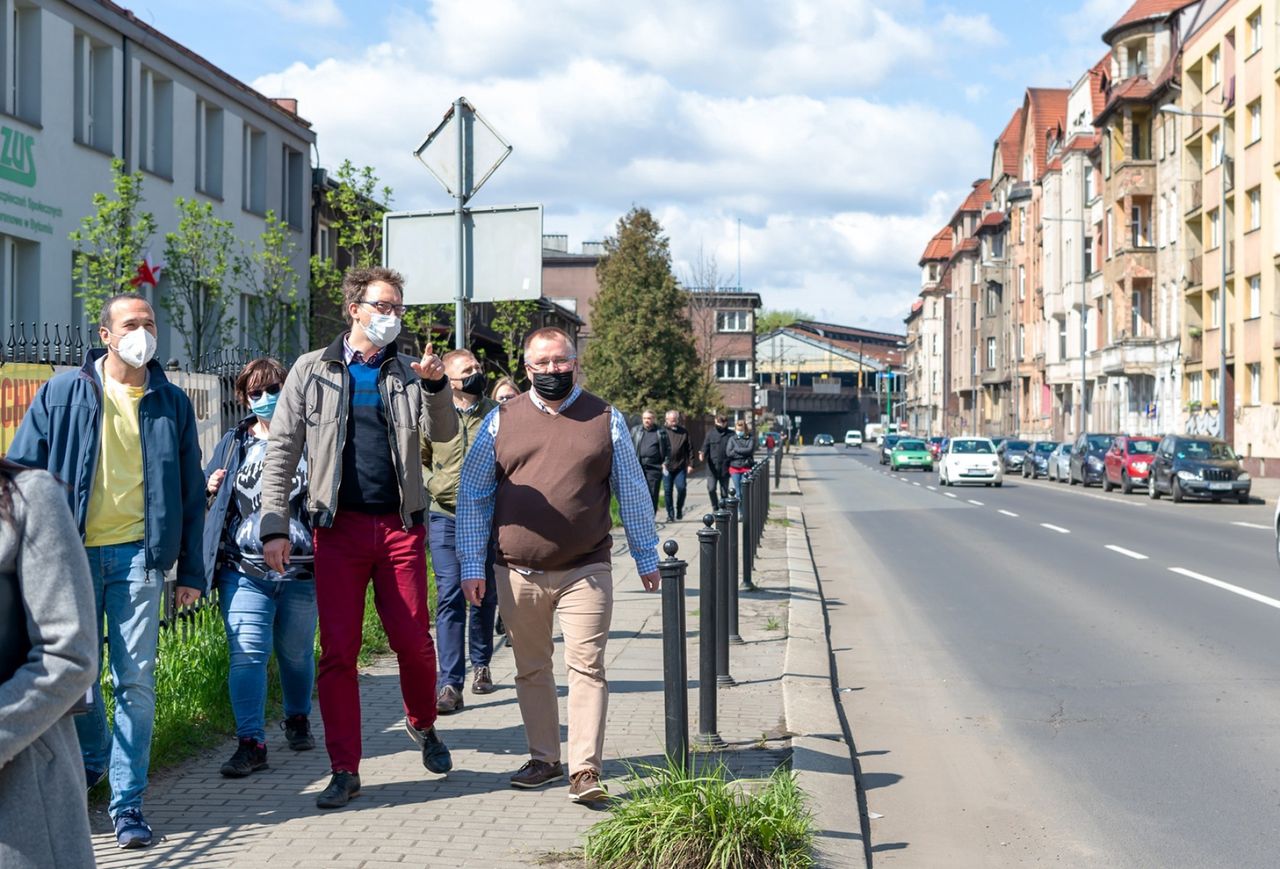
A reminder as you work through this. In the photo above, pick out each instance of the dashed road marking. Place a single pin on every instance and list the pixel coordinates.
(1129, 552)
(932, 488)
(1226, 586)
(1252, 525)
(976, 503)
(1057, 528)
(915, 484)
(1007, 513)
(951, 494)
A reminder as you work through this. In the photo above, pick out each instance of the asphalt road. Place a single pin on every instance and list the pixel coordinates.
(1039, 674)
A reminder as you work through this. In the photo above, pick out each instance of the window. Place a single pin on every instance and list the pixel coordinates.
(292, 193)
(1022, 225)
(1088, 184)
(1088, 255)
(1215, 229)
(1255, 208)
(1215, 147)
(208, 148)
(1213, 309)
(19, 272)
(1255, 120)
(733, 321)
(1195, 387)
(1255, 383)
(1110, 237)
(254, 168)
(991, 353)
(1022, 341)
(997, 246)
(1213, 384)
(1022, 282)
(93, 94)
(21, 69)
(324, 241)
(1255, 296)
(1255, 34)
(1107, 314)
(733, 369)
(1215, 67)
(155, 123)
(993, 301)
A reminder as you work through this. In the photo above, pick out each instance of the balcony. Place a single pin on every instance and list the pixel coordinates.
(1129, 356)
(1193, 349)
(1195, 197)
(1195, 270)
(1195, 123)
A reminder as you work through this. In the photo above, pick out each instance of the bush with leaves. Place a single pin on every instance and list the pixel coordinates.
(265, 271)
(197, 258)
(111, 242)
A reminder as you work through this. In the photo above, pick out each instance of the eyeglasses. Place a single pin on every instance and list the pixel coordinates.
(547, 366)
(386, 307)
(505, 398)
(273, 389)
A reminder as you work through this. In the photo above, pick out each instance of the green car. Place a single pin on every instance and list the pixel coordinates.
(911, 453)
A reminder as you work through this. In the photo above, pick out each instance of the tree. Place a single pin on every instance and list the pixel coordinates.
(703, 284)
(111, 242)
(768, 321)
(264, 270)
(641, 352)
(512, 320)
(197, 258)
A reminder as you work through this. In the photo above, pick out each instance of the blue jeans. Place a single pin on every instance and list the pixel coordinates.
(677, 480)
(451, 606)
(128, 595)
(261, 615)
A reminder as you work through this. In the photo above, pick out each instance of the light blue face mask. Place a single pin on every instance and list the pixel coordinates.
(265, 406)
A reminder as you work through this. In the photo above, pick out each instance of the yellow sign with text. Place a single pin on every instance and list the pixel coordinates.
(19, 383)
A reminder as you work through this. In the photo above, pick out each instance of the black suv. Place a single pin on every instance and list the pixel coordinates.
(1193, 465)
(1086, 458)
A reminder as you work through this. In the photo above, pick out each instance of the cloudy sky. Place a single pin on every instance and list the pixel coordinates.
(841, 133)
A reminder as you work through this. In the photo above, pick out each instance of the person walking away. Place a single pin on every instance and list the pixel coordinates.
(651, 448)
(677, 466)
(717, 461)
(362, 414)
(442, 460)
(48, 661)
(261, 609)
(741, 454)
(538, 481)
(94, 429)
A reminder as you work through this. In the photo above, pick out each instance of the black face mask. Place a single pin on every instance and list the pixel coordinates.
(553, 386)
(473, 384)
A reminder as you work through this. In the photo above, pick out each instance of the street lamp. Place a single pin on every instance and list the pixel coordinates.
(1222, 256)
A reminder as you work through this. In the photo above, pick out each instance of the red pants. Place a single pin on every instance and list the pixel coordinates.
(356, 549)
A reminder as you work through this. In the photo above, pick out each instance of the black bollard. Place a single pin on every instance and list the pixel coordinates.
(777, 468)
(708, 736)
(744, 491)
(722, 599)
(675, 666)
(731, 504)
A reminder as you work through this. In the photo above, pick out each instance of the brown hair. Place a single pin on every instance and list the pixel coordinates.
(258, 374)
(455, 353)
(104, 316)
(504, 381)
(549, 332)
(355, 283)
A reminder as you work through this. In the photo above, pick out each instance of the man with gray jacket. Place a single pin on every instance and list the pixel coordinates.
(363, 412)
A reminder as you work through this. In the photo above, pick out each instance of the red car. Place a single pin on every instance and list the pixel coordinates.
(1128, 463)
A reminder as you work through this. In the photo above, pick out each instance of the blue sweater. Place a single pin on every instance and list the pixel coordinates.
(62, 433)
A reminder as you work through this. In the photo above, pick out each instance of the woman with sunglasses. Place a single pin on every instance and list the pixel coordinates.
(262, 609)
(504, 390)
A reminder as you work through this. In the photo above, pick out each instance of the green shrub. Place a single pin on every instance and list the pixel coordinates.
(675, 819)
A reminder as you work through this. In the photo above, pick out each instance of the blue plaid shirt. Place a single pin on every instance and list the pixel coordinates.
(479, 486)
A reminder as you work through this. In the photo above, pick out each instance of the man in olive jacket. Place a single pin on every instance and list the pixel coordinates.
(442, 460)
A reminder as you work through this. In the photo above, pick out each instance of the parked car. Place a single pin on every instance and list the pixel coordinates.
(1128, 462)
(824, 440)
(1060, 462)
(911, 453)
(1037, 461)
(1013, 453)
(970, 460)
(1202, 466)
(935, 446)
(1086, 458)
(853, 438)
(886, 447)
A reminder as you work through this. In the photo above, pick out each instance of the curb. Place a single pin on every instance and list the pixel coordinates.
(822, 757)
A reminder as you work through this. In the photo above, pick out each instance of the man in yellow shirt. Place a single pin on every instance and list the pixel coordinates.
(123, 439)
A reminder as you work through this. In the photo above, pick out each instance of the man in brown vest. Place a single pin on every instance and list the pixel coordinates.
(538, 478)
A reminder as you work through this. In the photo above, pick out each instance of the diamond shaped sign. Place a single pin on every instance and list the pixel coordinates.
(463, 167)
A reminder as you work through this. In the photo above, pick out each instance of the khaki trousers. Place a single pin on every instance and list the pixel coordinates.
(583, 598)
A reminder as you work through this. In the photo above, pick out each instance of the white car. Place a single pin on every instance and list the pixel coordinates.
(970, 460)
(853, 438)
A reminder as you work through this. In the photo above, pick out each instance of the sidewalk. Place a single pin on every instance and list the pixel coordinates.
(474, 818)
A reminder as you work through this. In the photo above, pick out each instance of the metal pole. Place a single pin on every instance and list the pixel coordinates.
(731, 506)
(744, 493)
(1222, 287)
(675, 666)
(777, 468)
(460, 297)
(708, 737)
(722, 598)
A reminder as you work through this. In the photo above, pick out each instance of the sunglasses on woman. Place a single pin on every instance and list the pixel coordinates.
(273, 389)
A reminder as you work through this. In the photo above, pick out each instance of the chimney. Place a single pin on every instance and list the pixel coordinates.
(593, 248)
(557, 243)
(289, 104)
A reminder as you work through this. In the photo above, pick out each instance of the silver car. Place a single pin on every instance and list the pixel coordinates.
(1060, 463)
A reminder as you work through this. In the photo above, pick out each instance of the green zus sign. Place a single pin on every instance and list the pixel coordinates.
(17, 157)
(18, 166)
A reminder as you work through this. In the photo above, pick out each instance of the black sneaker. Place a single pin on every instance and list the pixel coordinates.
(343, 787)
(435, 756)
(132, 830)
(297, 732)
(250, 757)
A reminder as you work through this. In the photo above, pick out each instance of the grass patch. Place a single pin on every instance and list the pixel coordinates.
(773, 624)
(784, 522)
(676, 819)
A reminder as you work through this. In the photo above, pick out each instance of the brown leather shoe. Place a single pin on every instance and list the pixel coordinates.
(585, 787)
(449, 701)
(483, 683)
(537, 773)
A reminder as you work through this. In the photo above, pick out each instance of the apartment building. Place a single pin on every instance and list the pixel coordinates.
(928, 340)
(964, 299)
(85, 81)
(723, 323)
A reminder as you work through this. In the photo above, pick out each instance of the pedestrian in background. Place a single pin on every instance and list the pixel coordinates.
(741, 454)
(362, 413)
(263, 610)
(442, 461)
(504, 390)
(92, 429)
(48, 661)
(677, 466)
(538, 482)
(650, 444)
(717, 460)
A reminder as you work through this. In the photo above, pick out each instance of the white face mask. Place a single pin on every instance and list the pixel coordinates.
(136, 348)
(382, 329)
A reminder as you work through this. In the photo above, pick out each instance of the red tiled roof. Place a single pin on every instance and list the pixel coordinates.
(917, 305)
(1010, 143)
(1144, 10)
(939, 247)
(1042, 110)
(978, 196)
(992, 219)
(1097, 90)
(967, 246)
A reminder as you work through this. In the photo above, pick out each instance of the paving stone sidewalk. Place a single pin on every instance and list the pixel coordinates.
(474, 818)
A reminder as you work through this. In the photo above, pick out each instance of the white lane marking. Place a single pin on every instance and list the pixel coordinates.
(1129, 552)
(1252, 525)
(950, 494)
(1007, 513)
(976, 503)
(1226, 586)
(1057, 528)
(931, 488)
(915, 484)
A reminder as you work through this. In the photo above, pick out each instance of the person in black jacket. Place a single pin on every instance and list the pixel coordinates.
(717, 460)
(741, 450)
(652, 449)
(677, 466)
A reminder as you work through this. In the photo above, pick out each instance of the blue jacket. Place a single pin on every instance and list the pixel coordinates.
(62, 432)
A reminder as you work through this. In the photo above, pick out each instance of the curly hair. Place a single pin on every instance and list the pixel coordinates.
(355, 283)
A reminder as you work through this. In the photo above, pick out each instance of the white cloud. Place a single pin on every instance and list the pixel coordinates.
(318, 13)
(975, 92)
